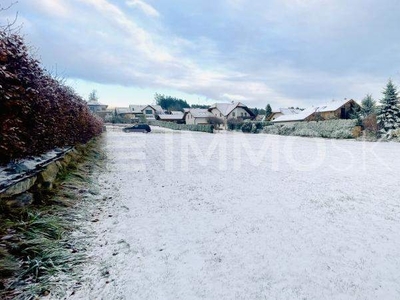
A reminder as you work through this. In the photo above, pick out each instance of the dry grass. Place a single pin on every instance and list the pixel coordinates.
(35, 242)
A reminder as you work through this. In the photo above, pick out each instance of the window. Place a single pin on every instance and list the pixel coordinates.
(148, 112)
(233, 114)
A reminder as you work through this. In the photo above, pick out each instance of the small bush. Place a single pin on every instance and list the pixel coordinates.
(234, 124)
(370, 124)
(247, 127)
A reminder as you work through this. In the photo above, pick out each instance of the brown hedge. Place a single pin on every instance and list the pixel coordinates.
(37, 112)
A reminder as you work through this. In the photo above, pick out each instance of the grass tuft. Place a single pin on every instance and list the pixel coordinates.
(36, 246)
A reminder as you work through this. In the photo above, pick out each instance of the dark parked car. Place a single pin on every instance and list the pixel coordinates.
(138, 128)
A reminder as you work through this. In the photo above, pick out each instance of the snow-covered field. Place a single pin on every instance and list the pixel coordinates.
(233, 216)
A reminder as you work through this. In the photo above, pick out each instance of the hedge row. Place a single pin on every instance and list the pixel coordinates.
(37, 112)
(174, 126)
(248, 126)
(337, 129)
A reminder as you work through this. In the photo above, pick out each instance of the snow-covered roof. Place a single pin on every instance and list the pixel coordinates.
(123, 110)
(289, 111)
(295, 117)
(227, 108)
(302, 115)
(200, 113)
(224, 108)
(158, 108)
(171, 117)
(95, 103)
(176, 112)
(139, 108)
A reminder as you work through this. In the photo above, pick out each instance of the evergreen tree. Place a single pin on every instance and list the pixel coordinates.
(268, 111)
(255, 111)
(355, 113)
(368, 106)
(389, 112)
(202, 106)
(170, 103)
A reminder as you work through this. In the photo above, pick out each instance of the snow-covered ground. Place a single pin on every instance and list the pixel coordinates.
(233, 216)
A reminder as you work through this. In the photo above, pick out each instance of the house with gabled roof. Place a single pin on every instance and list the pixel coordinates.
(149, 111)
(95, 106)
(335, 109)
(99, 109)
(234, 110)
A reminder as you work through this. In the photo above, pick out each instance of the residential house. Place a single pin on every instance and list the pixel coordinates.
(335, 109)
(96, 106)
(197, 116)
(148, 111)
(226, 111)
(174, 116)
(124, 112)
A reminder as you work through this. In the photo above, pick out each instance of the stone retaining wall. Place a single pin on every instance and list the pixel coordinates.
(22, 192)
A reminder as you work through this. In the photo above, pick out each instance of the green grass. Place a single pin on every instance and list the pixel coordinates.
(37, 247)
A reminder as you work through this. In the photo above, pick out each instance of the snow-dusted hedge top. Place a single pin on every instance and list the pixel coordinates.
(190, 127)
(37, 112)
(337, 129)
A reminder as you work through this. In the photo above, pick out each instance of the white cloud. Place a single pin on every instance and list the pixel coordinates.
(288, 55)
(234, 97)
(145, 7)
(54, 7)
(140, 38)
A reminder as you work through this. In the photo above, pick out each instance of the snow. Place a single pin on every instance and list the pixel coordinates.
(235, 216)
(25, 168)
(332, 105)
(226, 108)
(200, 113)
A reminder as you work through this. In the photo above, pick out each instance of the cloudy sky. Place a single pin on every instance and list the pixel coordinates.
(282, 52)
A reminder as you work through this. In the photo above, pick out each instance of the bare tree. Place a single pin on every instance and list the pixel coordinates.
(93, 97)
(9, 26)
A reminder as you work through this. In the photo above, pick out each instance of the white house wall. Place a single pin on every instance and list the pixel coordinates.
(217, 113)
(201, 121)
(237, 113)
(189, 119)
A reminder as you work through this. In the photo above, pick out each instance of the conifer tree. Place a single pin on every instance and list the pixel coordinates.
(268, 111)
(389, 112)
(368, 106)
